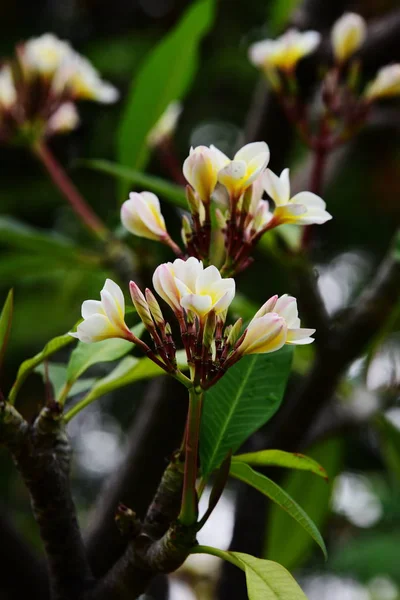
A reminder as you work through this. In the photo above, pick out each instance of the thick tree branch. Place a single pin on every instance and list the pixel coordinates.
(154, 436)
(42, 454)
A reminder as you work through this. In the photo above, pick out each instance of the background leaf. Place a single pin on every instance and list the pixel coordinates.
(28, 365)
(389, 437)
(128, 371)
(266, 580)
(87, 355)
(5, 323)
(314, 496)
(246, 397)
(165, 189)
(279, 458)
(164, 77)
(57, 374)
(273, 491)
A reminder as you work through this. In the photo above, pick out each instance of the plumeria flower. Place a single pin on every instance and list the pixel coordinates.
(84, 81)
(285, 52)
(200, 169)
(104, 318)
(262, 217)
(386, 83)
(305, 208)
(65, 119)
(275, 324)
(187, 285)
(45, 54)
(248, 163)
(348, 35)
(141, 215)
(166, 124)
(286, 308)
(8, 94)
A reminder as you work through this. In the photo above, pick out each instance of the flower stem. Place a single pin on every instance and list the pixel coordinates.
(69, 191)
(189, 509)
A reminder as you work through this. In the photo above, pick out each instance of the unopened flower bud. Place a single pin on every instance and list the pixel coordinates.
(168, 329)
(186, 230)
(209, 329)
(201, 171)
(65, 119)
(192, 200)
(348, 34)
(8, 93)
(154, 308)
(221, 219)
(234, 332)
(142, 308)
(247, 197)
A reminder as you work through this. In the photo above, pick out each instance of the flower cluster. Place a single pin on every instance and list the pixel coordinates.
(345, 102)
(39, 88)
(233, 191)
(199, 298)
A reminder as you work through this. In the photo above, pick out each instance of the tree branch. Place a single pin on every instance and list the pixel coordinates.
(42, 455)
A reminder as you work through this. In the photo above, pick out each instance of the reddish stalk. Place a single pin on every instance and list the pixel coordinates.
(69, 191)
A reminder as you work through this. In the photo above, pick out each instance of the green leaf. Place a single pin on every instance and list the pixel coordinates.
(273, 491)
(18, 235)
(389, 436)
(280, 12)
(167, 191)
(128, 371)
(29, 365)
(87, 355)
(5, 323)
(245, 398)
(165, 76)
(57, 374)
(314, 495)
(279, 458)
(266, 580)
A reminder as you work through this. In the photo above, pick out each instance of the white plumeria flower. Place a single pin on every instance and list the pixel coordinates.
(284, 52)
(45, 54)
(256, 194)
(385, 84)
(248, 163)
(263, 335)
(286, 308)
(165, 125)
(8, 93)
(187, 285)
(84, 81)
(65, 119)
(141, 215)
(304, 208)
(200, 169)
(104, 318)
(262, 217)
(348, 34)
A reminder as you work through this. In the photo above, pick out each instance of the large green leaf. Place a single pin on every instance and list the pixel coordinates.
(266, 580)
(165, 76)
(18, 235)
(5, 323)
(29, 365)
(273, 491)
(279, 458)
(165, 189)
(314, 495)
(245, 398)
(129, 370)
(87, 355)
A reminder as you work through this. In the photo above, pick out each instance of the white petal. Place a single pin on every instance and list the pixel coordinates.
(91, 307)
(296, 335)
(221, 159)
(164, 284)
(278, 188)
(151, 199)
(188, 271)
(94, 329)
(310, 40)
(251, 151)
(267, 307)
(112, 309)
(201, 305)
(182, 288)
(314, 217)
(112, 288)
(206, 279)
(225, 301)
(308, 199)
(286, 307)
(235, 170)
